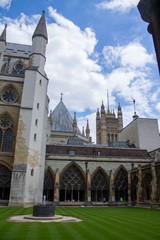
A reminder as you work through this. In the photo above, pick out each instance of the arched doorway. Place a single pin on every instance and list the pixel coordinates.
(49, 186)
(121, 185)
(5, 182)
(147, 186)
(72, 185)
(134, 187)
(99, 187)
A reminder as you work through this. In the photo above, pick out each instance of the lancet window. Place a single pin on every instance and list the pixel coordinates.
(6, 134)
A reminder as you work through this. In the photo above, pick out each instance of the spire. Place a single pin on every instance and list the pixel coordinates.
(3, 35)
(102, 109)
(83, 131)
(87, 130)
(75, 124)
(107, 101)
(41, 29)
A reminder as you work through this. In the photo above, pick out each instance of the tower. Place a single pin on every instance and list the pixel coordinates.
(29, 155)
(107, 125)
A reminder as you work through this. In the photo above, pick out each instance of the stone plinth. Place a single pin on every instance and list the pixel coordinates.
(43, 210)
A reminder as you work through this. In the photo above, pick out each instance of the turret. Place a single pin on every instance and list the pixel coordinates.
(87, 130)
(75, 124)
(102, 109)
(120, 118)
(39, 42)
(2, 45)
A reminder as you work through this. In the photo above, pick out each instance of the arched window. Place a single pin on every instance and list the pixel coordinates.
(7, 141)
(35, 137)
(99, 187)
(48, 189)
(5, 182)
(72, 185)
(134, 188)
(18, 70)
(6, 134)
(121, 185)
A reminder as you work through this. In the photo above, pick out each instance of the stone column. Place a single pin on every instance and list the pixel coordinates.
(139, 190)
(154, 193)
(89, 187)
(129, 188)
(112, 190)
(150, 12)
(56, 187)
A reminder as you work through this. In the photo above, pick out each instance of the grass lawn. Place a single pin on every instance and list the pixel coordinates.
(109, 223)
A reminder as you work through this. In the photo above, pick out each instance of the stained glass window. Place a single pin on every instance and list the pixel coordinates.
(9, 95)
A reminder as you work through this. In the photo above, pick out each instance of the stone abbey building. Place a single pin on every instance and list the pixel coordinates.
(41, 155)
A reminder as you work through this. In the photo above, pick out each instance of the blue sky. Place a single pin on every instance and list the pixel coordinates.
(94, 45)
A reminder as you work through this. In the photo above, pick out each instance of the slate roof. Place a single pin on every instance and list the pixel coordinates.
(62, 120)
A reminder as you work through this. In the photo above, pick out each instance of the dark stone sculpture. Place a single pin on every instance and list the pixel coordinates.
(150, 12)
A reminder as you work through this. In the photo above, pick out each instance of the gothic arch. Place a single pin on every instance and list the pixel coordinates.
(134, 187)
(147, 186)
(121, 184)
(72, 183)
(4, 68)
(99, 185)
(48, 188)
(5, 181)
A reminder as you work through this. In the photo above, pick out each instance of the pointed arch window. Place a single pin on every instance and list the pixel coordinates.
(121, 185)
(72, 185)
(6, 134)
(99, 187)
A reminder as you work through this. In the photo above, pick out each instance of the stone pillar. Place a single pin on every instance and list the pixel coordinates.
(154, 193)
(139, 190)
(89, 186)
(149, 10)
(56, 187)
(129, 188)
(112, 190)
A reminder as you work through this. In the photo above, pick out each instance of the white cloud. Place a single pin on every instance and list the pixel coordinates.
(158, 107)
(118, 5)
(73, 69)
(5, 4)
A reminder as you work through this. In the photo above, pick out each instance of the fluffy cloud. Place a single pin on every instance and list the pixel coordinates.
(5, 4)
(118, 5)
(73, 68)
(129, 75)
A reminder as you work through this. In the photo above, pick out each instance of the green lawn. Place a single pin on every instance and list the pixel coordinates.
(109, 223)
